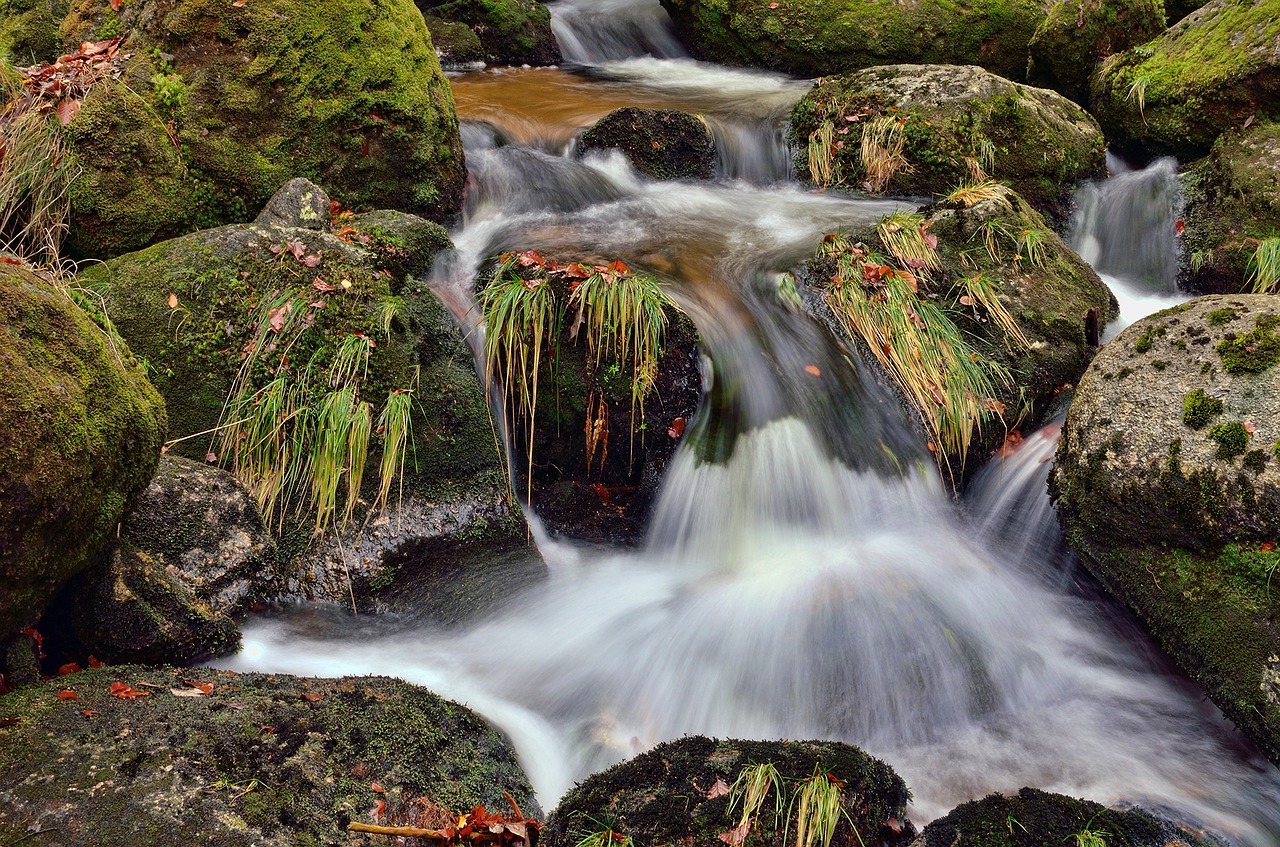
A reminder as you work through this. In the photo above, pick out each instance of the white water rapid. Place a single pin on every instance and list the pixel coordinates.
(816, 580)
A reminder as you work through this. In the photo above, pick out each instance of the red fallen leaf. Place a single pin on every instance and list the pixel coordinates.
(206, 687)
(932, 447)
(376, 787)
(813, 370)
(930, 239)
(275, 249)
(173, 300)
(9, 260)
(68, 694)
(297, 248)
(268, 728)
(346, 232)
(1011, 443)
(719, 789)
(35, 636)
(602, 492)
(321, 285)
(531, 284)
(966, 300)
(67, 111)
(211, 457)
(916, 263)
(335, 208)
(380, 809)
(69, 667)
(619, 267)
(311, 260)
(1250, 427)
(1267, 546)
(8, 721)
(311, 698)
(239, 3)
(94, 663)
(677, 428)
(88, 713)
(938, 396)
(736, 835)
(125, 692)
(529, 258)
(277, 316)
(115, 5)
(1178, 227)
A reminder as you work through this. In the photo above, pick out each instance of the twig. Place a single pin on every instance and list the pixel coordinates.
(514, 807)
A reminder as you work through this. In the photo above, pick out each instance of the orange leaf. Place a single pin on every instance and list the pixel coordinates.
(1178, 227)
(94, 663)
(380, 809)
(9, 260)
(376, 787)
(239, 3)
(115, 5)
(813, 370)
(677, 428)
(173, 300)
(206, 687)
(125, 692)
(1267, 546)
(719, 789)
(88, 713)
(277, 316)
(529, 258)
(736, 835)
(69, 667)
(67, 111)
(620, 267)
(577, 271)
(68, 694)
(311, 261)
(311, 698)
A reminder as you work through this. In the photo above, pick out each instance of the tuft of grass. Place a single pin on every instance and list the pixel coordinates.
(750, 792)
(1264, 267)
(34, 177)
(881, 151)
(395, 425)
(1138, 93)
(822, 154)
(982, 292)
(1030, 244)
(389, 308)
(906, 237)
(972, 193)
(818, 810)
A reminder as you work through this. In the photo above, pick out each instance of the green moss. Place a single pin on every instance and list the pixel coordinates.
(660, 143)
(1076, 35)
(1144, 342)
(29, 30)
(514, 32)
(1256, 461)
(1219, 317)
(1199, 408)
(1255, 351)
(1231, 438)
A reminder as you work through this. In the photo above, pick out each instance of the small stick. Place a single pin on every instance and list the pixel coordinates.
(514, 807)
(409, 831)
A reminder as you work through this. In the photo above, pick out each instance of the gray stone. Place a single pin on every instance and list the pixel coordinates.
(299, 203)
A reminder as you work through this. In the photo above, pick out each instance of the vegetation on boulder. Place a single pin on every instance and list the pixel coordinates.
(29, 30)
(659, 143)
(509, 32)
(1078, 34)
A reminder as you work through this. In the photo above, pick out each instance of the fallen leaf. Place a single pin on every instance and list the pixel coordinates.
(938, 396)
(966, 300)
(88, 713)
(69, 667)
(529, 258)
(677, 428)
(736, 835)
(8, 721)
(125, 692)
(1267, 546)
(186, 692)
(619, 267)
(9, 260)
(346, 284)
(321, 285)
(376, 787)
(68, 694)
(239, 3)
(277, 316)
(719, 789)
(173, 300)
(1250, 427)
(297, 248)
(380, 809)
(311, 260)
(67, 111)
(1178, 227)
(211, 457)
(94, 663)
(115, 5)
(204, 687)
(311, 698)
(813, 370)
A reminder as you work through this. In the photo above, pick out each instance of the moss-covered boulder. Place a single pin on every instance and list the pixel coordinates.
(1034, 818)
(1232, 205)
(1078, 34)
(1168, 482)
(677, 793)
(660, 143)
(510, 32)
(30, 31)
(820, 37)
(80, 434)
(258, 760)
(1213, 70)
(948, 124)
(221, 104)
(456, 44)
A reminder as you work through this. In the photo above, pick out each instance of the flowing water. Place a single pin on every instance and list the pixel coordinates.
(813, 580)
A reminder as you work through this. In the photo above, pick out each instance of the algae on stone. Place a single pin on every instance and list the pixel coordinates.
(1077, 34)
(509, 32)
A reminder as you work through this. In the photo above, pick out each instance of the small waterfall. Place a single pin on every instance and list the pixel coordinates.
(591, 32)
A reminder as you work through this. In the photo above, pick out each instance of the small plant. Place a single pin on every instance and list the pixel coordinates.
(819, 807)
(389, 308)
(907, 237)
(1090, 837)
(970, 194)
(1030, 244)
(981, 291)
(1264, 267)
(36, 173)
(170, 93)
(1138, 93)
(881, 151)
(822, 154)
(1232, 440)
(751, 791)
(604, 833)
(1198, 408)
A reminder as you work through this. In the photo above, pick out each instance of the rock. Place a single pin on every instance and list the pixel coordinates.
(456, 44)
(348, 94)
(1176, 10)
(1232, 204)
(260, 760)
(510, 32)
(1078, 34)
(959, 120)
(29, 31)
(80, 433)
(820, 37)
(1034, 818)
(1213, 70)
(299, 203)
(660, 143)
(1168, 483)
(664, 796)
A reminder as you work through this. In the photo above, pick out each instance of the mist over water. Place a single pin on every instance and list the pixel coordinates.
(815, 579)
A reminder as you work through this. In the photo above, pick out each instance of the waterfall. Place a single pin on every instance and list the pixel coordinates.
(591, 32)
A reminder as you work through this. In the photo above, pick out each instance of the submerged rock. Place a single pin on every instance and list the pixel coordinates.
(1213, 70)
(1078, 34)
(258, 760)
(508, 32)
(1168, 482)
(660, 143)
(677, 793)
(949, 125)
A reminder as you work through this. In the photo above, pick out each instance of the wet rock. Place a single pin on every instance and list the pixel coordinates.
(299, 203)
(660, 143)
(1167, 480)
(955, 124)
(1213, 70)
(259, 760)
(1078, 34)
(456, 44)
(676, 793)
(509, 32)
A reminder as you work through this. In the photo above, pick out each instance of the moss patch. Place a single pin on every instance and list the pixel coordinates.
(1199, 408)
(1077, 34)
(1231, 438)
(1253, 352)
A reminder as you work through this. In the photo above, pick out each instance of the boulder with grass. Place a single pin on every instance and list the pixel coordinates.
(309, 357)
(509, 32)
(1078, 34)
(695, 791)
(165, 756)
(80, 434)
(659, 143)
(820, 37)
(1215, 69)
(219, 104)
(1168, 483)
(978, 312)
(924, 130)
(1232, 214)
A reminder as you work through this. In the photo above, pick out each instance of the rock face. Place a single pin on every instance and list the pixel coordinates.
(660, 143)
(509, 32)
(665, 796)
(349, 94)
(958, 119)
(1211, 71)
(820, 37)
(1168, 482)
(1078, 34)
(80, 433)
(1232, 205)
(258, 761)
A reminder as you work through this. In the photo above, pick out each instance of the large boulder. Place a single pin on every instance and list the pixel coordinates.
(953, 123)
(1213, 70)
(509, 32)
(660, 143)
(1078, 34)
(221, 103)
(677, 793)
(258, 760)
(1232, 204)
(80, 434)
(819, 37)
(1168, 482)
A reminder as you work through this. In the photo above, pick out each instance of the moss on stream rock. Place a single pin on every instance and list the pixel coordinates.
(508, 32)
(820, 37)
(659, 143)
(1078, 34)
(261, 760)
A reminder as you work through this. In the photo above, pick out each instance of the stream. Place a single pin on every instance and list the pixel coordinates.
(820, 582)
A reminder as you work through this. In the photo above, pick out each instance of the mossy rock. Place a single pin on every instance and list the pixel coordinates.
(510, 32)
(254, 762)
(1036, 818)
(29, 31)
(1213, 70)
(1037, 141)
(456, 44)
(348, 94)
(1078, 34)
(1168, 487)
(821, 37)
(80, 434)
(666, 796)
(1176, 10)
(1232, 203)
(659, 143)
